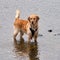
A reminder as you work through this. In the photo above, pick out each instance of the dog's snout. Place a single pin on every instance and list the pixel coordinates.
(32, 22)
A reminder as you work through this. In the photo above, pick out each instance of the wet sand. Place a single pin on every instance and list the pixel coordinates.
(47, 46)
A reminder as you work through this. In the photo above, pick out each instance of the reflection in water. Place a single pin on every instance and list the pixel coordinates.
(20, 47)
(24, 49)
(33, 51)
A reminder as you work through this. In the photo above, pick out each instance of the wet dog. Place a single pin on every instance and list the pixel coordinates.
(29, 26)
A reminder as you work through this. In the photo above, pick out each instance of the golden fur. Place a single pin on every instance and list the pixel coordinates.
(29, 26)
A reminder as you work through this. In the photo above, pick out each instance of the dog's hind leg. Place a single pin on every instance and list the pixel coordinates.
(21, 34)
(16, 31)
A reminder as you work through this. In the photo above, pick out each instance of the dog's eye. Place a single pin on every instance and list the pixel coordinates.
(34, 18)
(31, 18)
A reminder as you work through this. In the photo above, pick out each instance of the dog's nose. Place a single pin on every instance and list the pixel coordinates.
(32, 22)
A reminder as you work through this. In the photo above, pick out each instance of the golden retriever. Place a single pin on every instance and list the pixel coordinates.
(29, 26)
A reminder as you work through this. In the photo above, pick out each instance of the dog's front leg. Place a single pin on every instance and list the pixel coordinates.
(35, 36)
(29, 37)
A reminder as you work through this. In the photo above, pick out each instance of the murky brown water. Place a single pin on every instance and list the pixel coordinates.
(47, 46)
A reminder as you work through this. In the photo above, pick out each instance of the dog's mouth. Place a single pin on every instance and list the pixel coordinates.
(34, 23)
(33, 26)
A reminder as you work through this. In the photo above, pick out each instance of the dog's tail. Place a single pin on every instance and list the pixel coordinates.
(17, 14)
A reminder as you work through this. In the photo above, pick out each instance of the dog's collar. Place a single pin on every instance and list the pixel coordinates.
(33, 31)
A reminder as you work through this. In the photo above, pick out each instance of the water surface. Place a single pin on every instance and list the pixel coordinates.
(47, 46)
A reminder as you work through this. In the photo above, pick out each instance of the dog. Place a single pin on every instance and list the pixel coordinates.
(29, 26)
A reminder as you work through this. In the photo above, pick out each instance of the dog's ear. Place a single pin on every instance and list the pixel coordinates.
(29, 18)
(37, 17)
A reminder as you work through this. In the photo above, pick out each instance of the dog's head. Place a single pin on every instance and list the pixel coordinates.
(33, 19)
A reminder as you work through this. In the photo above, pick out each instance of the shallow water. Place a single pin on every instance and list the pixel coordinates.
(47, 46)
